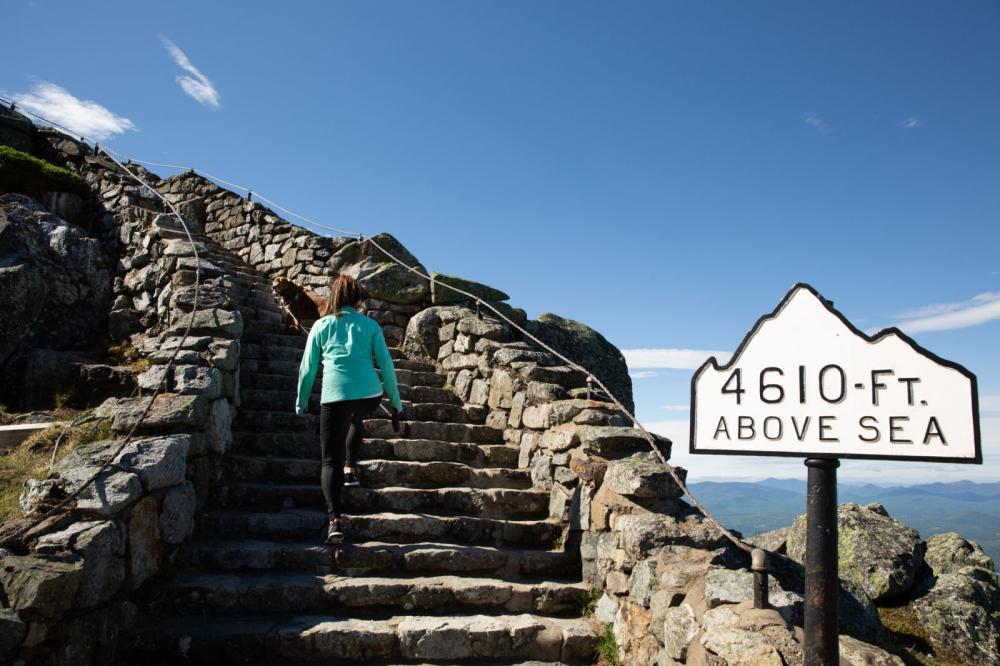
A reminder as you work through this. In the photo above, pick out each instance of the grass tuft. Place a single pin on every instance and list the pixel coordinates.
(590, 601)
(31, 458)
(607, 647)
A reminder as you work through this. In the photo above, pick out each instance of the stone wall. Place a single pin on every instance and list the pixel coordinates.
(667, 582)
(277, 248)
(69, 591)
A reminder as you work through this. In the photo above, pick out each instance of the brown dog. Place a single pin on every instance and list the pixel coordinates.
(302, 307)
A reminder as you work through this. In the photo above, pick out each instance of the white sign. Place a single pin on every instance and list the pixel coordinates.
(805, 382)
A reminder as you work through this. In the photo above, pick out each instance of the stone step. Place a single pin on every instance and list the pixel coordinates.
(306, 445)
(448, 432)
(376, 473)
(266, 326)
(253, 350)
(319, 639)
(289, 382)
(284, 399)
(295, 340)
(480, 502)
(280, 415)
(258, 421)
(295, 592)
(372, 557)
(418, 366)
(298, 524)
(253, 315)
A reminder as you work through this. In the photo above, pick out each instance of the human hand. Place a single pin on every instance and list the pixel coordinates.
(394, 415)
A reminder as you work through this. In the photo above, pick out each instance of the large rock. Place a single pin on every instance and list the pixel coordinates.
(950, 553)
(36, 375)
(381, 277)
(55, 284)
(679, 627)
(742, 634)
(856, 653)
(614, 442)
(422, 339)
(41, 586)
(160, 462)
(733, 586)
(169, 410)
(143, 542)
(177, 513)
(588, 348)
(112, 491)
(643, 475)
(959, 618)
(16, 130)
(12, 631)
(212, 321)
(876, 551)
(101, 546)
(646, 534)
(440, 292)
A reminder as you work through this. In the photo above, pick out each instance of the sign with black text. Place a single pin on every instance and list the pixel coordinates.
(805, 382)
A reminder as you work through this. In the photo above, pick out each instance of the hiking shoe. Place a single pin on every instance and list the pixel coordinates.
(335, 531)
(350, 480)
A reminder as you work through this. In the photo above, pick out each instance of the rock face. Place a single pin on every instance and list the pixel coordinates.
(879, 553)
(588, 348)
(949, 553)
(959, 617)
(16, 130)
(55, 286)
(441, 294)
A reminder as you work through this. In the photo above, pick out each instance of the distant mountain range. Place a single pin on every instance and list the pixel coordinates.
(971, 509)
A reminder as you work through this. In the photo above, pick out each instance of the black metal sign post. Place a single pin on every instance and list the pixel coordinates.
(806, 383)
(822, 645)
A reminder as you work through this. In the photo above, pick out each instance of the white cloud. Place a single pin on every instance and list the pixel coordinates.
(946, 316)
(676, 408)
(682, 359)
(813, 120)
(643, 374)
(911, 123)
(83, 117)
(197, 85)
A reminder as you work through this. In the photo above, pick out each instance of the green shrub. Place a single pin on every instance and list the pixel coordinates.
(21, 172)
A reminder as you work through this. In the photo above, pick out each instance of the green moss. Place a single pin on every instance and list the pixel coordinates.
(607, 647)
(21, 172)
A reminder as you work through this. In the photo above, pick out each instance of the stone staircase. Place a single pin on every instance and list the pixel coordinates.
(450, 557)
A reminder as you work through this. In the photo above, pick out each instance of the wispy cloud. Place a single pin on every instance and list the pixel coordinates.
(911, 123)
(81, 116)
(194, 83)
(977, 310)
(675, 408)
(643, 374)
(813, 120)
(682, 359)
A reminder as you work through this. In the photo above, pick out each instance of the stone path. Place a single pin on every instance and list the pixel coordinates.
(450, 558)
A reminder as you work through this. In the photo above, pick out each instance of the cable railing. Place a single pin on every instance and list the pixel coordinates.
(672, 470)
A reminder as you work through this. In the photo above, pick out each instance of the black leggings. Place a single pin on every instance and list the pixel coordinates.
(341, 430)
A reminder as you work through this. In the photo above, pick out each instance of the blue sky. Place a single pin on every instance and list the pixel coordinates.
(662, 171)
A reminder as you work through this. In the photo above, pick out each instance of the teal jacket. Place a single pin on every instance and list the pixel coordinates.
(347, 344)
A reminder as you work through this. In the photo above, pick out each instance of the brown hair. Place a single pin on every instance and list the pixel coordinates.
(344, 291)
